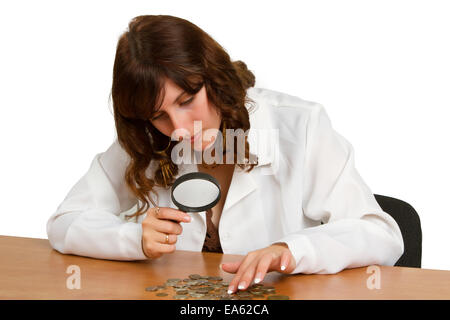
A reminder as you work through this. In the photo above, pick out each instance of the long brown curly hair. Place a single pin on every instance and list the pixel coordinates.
(159, 47)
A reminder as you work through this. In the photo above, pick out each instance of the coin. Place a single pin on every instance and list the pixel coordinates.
(152, 288)
(256, 292)
(267, 287)
(182, 291)
(209, 287)
(162, 294)
(201, 290)
(221, 290)
(277, 297)
(194, 287)
(170, 284)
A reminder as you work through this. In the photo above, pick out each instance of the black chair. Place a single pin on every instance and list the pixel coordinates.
(409, 223)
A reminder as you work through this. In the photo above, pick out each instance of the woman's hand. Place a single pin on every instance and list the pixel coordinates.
(160, 230)
(256, 264)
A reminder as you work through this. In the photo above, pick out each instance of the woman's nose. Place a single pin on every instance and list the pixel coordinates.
(180, 128)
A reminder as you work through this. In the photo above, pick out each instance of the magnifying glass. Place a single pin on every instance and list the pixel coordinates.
(195, 192)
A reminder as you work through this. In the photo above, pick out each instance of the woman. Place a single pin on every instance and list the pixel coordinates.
(292, 200)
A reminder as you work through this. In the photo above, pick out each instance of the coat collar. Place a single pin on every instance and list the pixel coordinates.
(262, 137)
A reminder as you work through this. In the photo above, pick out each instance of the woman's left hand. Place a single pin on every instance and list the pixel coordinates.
(256, 264)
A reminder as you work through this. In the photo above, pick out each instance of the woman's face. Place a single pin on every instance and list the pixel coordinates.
(179, 111)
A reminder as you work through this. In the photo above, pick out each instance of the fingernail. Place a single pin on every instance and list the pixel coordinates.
(241, 285)
(283, 267)
(187, 218)
(230, 289)
(257, 280)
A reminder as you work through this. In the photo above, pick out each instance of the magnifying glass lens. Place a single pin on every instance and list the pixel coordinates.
(195, 192)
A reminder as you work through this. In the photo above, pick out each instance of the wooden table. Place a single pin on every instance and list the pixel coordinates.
(32, 269)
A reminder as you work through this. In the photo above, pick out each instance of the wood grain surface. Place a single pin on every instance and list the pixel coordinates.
(32, 269)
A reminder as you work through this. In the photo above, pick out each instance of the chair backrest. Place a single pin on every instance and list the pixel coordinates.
(409, 222)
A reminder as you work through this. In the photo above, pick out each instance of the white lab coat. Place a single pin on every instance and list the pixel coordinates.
(306, 174)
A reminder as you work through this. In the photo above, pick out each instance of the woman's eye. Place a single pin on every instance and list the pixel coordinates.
(181, 104)
(187, 101)
(156, 118)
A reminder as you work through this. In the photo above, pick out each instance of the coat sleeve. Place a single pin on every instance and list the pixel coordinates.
(88, 222)
(356, 231)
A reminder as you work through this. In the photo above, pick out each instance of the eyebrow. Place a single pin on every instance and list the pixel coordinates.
(176, 100)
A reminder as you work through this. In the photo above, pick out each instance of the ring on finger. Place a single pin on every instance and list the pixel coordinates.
(157, 211)
(167, 238)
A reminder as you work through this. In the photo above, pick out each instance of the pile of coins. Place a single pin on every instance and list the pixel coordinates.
(212, 288)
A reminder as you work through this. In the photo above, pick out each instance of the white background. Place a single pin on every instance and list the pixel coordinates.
(380, 68)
